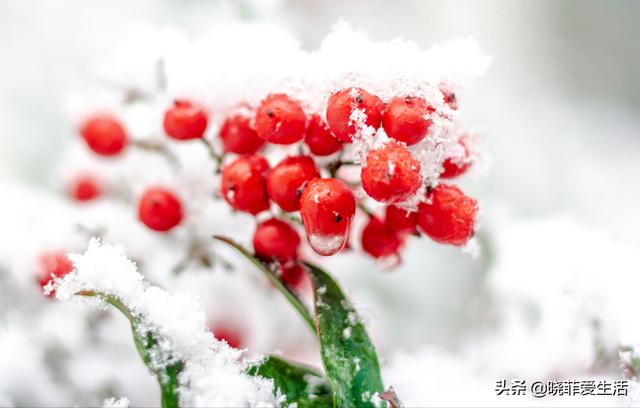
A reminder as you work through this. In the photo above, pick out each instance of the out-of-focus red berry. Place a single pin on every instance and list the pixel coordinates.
(84, 188)
(104, 134)
(320, 139)
(280, 120)
(185, 120)
(380, 241)
(341, 118)
(390, 174)
(406, 119)
(449, 215)
(53, 264)
(327, 207)
(292, 274)
(454, 167)
(275, 239)
(159, 209)
(226, 333)
(287, 179)
(400, 220)
(239, 136)
(244, 184)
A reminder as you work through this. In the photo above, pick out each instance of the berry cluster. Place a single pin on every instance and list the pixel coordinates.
(306, 182)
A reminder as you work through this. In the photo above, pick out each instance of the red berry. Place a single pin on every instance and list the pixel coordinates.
(454, 167)
(390, 174)
(159, 209)
(104, 135)
(85, 188)
(280, 120)
(286, 181)
(239, 136)
(244, 185)
(449, 97)
(319, 138)
(342, 120)
(327, 207)
(449, 216)
(380, 241)
(292, 274)
(185, 121)
(275, 239)
(228, 334)
(405, 119)
(53, 264)
(400, 220)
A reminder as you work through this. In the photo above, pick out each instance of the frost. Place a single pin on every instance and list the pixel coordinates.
(346, 333)
(116, 403)
(214, 372)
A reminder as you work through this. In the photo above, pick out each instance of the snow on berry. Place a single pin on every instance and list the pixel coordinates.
(352, 111)
(390, 174)
(407, 119)
(52, 265)
(288, 178)
(275, 239)
(227, 333)
(159, 209)
(185, 120)
(238, 135)
(104, 134)
(320, 139)
(327, 207)
(458, 163)
(244, 184)
(280, 120)
(213, 373)
(448, 216)
(85, 187)
(380, 241)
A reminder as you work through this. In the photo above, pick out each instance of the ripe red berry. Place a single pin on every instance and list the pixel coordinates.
(85, 188)
(341, 118)
(239, 136)
(449, 215)
(228, 334)
(159, 209)
(456, 166)
(286, 181)
(292, 274)
(54, 264)
(449, 97)
(390, 174)
(380, 241)
(185, 120)
(320, 139)
(104, 135)
(327, 207)
(406, 119)
(400, 220)
(244, 184)
(280, 120)
(275, 239)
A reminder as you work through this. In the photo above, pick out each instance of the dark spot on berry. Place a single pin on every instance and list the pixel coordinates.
(299, 191)
(358, 99)
(270, 113)
(338, 217)
(232, 186)
(408, 99)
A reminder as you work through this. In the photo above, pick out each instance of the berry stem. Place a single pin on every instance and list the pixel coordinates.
(364, 209)
(154, 147)
(214, 155)
(333, 167)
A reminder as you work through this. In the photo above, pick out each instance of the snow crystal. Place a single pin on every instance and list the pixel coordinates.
(214, 372)
(116, 403)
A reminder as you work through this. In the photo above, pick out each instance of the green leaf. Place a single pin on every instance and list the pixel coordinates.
(146, 341)
(298, 383)
(348, 355)
(288, 294)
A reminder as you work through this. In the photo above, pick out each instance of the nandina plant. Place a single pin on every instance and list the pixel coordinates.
(351, 152)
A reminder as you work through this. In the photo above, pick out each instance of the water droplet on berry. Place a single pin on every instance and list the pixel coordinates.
(327, 245)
